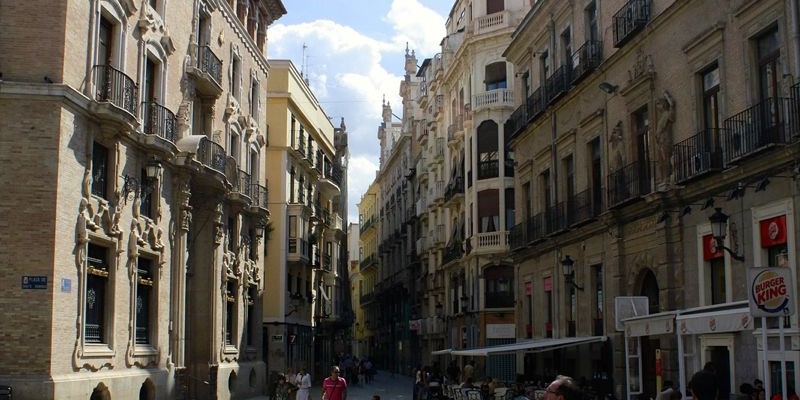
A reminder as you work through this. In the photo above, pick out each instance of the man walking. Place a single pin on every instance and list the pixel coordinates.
(334, 387)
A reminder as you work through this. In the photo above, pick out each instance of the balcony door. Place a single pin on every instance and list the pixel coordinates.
(641, 125)
(768, 49)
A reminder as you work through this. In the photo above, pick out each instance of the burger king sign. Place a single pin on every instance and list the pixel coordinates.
(771, 292)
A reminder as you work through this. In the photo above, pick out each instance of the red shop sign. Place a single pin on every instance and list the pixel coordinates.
(773, 231)
(711, 249)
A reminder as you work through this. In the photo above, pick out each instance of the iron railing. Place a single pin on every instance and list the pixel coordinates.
(158, 120)
(517, 121)
(209, 63)
(211, 155)
(241, 183)
(259, 195)
(771, 122)
(556, 218)
(629, 182)
(586, 59)
(455, 187)
(112, 85)
(580, 207)
(454, 251)
(629, 20)
(697, 155)
(536, 103)
(488, 169)
(93, 333)
(558, 83)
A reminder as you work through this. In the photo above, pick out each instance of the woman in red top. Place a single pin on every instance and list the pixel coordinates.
(334, 387)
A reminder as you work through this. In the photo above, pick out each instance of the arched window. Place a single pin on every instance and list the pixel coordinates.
(487, 150)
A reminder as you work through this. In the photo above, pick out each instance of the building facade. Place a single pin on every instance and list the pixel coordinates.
(638, 122)
(142, 270)
(305, 170)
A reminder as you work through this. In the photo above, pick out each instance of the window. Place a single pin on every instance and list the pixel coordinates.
(236, 78)
(547, 198)
(768, 48)
(548, 299)
(252, 318)
(596, 175)
(566, 46)
(544, 70)
(496, 76)
(230, 311)
(598, 299)
(489, 210)
(144, 301)
(235, 146)
(499, 286)
(254, 97)
(105, 43)
(510, 211)
(591, 22)
(526, 199)
(569, 180)
(710, 79)
(494, 6)
(488, 166)
(97, 271)
(99, 170)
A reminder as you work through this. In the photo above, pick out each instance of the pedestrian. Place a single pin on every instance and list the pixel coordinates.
(453, 371)
(303, 383)
(703, 385)
(469, 369)
(667, 392)
(334, 387)
(563, 388)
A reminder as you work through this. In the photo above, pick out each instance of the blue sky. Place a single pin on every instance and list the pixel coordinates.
(354, 57)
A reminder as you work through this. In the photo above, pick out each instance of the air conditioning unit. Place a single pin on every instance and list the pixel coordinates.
(627, 307)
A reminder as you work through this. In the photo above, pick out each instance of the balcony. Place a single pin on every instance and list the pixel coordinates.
(772, 122)
(530, 231)
(437, 192)
(438, 150)
(298, 251)
(368, 223)
(490, 242)
(629, 20)
(422, 206)
(629, 183)
(212, 155)
(586, 59)
(422, 245)
(488, 169)
(207, 71)
(422, 133)
(455, 131)
(260, 197)
(157, 120)
(697, 155)
(536, 104)
(113, 86)
(301, 146)
(581, 208)
(492, 22)
(493, 98)
(453, 252)
(241, 186)
(556, 218)
(557, 84)
(438, 235)
(454, 188)
(517, 121)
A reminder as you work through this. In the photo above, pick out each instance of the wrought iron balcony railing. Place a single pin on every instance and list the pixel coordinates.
(557, 84)
(112, 85)
(697, 155)
(629, 182)
(536, 103)
(211, 155)
(488, 169)
(454, 251)
(158, 120)
(586, 59)
(209, 63)
(241, 183)
(580, 208)
(629, 20)
(517, 121)
(456, 186)
(259, 195)
(773, 121)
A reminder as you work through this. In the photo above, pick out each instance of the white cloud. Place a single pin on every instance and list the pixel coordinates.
(360, 173)
(346, 74)
(418, 25)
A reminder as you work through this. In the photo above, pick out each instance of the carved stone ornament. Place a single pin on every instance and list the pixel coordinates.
(641, 67)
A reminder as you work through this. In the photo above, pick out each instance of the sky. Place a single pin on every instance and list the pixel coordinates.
(354, 57)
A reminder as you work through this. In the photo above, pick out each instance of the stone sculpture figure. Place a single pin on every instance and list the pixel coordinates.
(666, 117)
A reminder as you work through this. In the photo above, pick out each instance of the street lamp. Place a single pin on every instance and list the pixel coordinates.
(568, 269)
(719, 229)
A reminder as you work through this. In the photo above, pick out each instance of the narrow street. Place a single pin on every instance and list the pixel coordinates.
(388, 386)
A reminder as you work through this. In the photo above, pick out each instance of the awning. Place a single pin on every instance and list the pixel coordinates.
(441, 352)
(653, 324)
(716, 321)
(531, 346)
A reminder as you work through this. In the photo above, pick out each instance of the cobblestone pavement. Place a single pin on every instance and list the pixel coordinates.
(387, 385)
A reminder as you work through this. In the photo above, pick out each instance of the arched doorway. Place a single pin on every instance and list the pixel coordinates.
(147, 391)
(100, 392)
